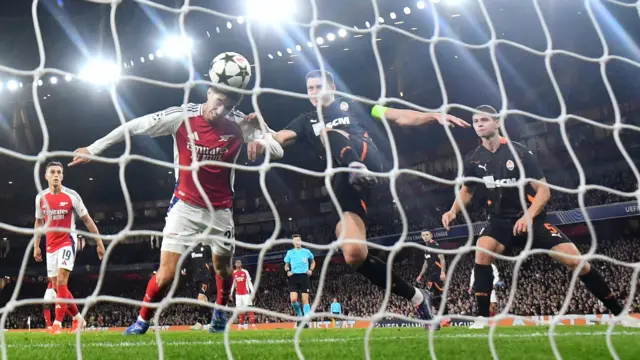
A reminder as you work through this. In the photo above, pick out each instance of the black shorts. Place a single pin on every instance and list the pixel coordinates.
(204, 282)
(435, 285)
(545, 235)
(299, 283)
(350, 198)
(205, 288)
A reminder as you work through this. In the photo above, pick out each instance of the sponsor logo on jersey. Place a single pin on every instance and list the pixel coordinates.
(510, 165)
(226, 137)
(204, 153)
(55, 214)
(63, 203)
(344, 106)
(484, 167)
(339, 121)
(492, 183)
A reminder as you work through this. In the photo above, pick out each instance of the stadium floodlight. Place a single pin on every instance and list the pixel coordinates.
(271, 11)
(320, 40)
(67, 78)
(309, 44)
(298, 47)
(392, 16)
(381, 19)
(53, 80)
(407, 10)
(40, 82)
(12, 85)
(21, 85)
(240, 20)
(270, 56)
(331, 36)
(142, 59)
(177, 46)
(100, 72)
(159, 53)
(289, 50)
(229, 25)
(279, 53)
(151, 57)
(342, 32)
(367, 24)
(420, 4)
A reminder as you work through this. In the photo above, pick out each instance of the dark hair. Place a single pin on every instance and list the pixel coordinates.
(424, 230)
(487, 109)
(53, 163)
(235, 96)
(319, 74)
(296, 236)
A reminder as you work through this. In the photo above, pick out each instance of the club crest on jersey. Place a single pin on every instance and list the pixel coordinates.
(344, 106)
(510, 165)
(225, 137)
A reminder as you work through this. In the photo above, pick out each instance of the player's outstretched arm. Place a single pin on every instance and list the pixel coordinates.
(543, 193)
(425, 266)
(233, 288)
(443, 270)
(165, 122)
(91, 226)
(404, 117)
(283, 138)
(464, 197)
(37, 253)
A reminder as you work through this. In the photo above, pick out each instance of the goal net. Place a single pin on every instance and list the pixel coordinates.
(560, 75)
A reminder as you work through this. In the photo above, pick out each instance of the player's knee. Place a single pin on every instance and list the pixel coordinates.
(354, 254)
(489, 244)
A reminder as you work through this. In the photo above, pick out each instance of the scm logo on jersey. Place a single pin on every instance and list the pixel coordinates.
(492, 183)
(339, 121)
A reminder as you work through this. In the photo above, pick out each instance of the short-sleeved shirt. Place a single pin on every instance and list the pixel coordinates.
(342, 114)
(432, 259)
(499, 169)
(299, 260)
(200, 258)
(61, 209)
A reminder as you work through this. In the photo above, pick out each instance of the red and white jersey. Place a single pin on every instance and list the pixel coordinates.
(213, 141)
(242, 282)
(62, 210)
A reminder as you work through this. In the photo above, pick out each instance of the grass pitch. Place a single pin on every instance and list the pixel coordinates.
(583, 342)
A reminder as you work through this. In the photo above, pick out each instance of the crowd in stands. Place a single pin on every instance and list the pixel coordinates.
(542, 286)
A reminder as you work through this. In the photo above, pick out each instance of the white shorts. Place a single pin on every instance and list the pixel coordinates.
(493, 298)
(184, 220)
(243, 300)
(63, 258)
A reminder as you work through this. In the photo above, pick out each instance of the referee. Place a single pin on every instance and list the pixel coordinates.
(299, 265)
(336, 309)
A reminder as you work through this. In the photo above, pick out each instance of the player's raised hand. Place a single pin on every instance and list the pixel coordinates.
(77, 159)
(450, 120)
(100, 250)
(448, 218)
(419, 279)
(289, 273)
(37, 254)
(255, 149)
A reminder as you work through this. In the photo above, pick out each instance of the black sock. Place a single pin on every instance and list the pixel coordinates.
(376, 271)
(205, 313)
(341, 149)
(482, 286)
(594, 281)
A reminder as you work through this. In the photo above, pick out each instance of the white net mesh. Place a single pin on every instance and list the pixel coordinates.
(547, 52)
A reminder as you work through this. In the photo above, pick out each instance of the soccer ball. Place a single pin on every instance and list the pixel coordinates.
(230, 69)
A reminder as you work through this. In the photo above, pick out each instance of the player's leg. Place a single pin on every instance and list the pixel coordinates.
(49, 294)
(341, 146)
(493, 303)
(547, 236)
(66, 260)
(356, 254)
(305, 288)
(224, 281)
(203, 288)
(293, 296)
(483, 283)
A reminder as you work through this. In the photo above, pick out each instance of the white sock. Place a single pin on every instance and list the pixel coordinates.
(141, 319)
(78, 317)
(56, 322)
(206, 327)
(417, 298)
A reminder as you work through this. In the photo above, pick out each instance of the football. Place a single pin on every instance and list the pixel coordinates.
(230, 69)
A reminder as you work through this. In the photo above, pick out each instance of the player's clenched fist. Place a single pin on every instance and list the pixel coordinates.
(78, 159)
(37, 254)
(255, 149)
(447, 218)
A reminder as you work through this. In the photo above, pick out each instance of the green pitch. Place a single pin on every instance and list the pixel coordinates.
(405, 343)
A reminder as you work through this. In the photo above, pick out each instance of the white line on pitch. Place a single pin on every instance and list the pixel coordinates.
(320, 340)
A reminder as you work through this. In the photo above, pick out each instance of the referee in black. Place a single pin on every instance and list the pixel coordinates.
(351, 147)
(200, 262)
(495, 164)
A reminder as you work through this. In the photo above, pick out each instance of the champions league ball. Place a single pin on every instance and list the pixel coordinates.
(230, 69)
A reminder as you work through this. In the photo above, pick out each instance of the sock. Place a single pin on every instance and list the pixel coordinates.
(241, 319)
(61, 309)
(296, 308)
(306, 308)
(341, 150)
(252, 318)
(376, 271)
(594, 281)
(47, 315)
(483, 285)
(492, 313)
(223, 287)
(152, 294)
(418, 297)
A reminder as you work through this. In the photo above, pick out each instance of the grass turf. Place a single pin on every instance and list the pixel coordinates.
(586, 342)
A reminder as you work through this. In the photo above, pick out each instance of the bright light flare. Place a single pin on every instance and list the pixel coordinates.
(271, 11)
(342, 32)
(177, 46)
(12, 85)
(331, 37)
(100, 72)
(53, 80)
(420, 5)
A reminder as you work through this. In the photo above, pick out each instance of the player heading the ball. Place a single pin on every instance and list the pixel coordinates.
(351, 147)
(214, 132)
(58, 207)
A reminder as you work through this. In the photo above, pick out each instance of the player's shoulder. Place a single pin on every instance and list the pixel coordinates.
(42, 193)
(521, 149)
(189, 110)
(472, 156)
(70, 192)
